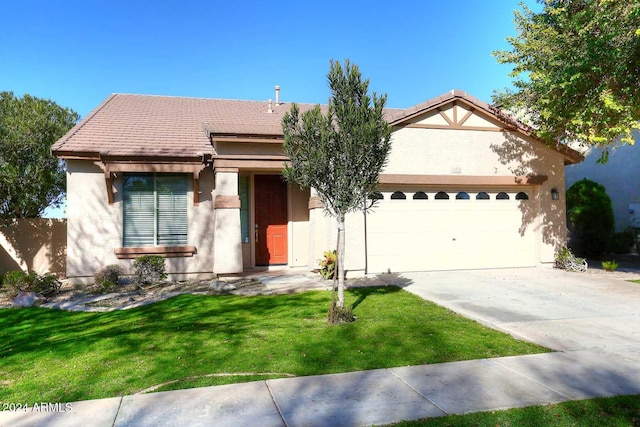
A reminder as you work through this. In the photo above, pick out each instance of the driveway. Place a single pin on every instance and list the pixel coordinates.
(557, 309)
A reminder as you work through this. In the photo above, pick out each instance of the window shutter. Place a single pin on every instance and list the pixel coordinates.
(172, 202)
(139, 209)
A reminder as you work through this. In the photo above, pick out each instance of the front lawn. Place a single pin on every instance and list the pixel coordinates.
(611, 411)
(187, 341)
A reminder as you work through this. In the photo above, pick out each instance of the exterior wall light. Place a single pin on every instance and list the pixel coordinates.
(555, 195)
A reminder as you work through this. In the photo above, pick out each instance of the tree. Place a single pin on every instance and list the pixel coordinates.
(577, 70)
(590, 215)
(339, 154)
(30, 177)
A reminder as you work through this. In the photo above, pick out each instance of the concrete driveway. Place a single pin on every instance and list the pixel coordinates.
(557, 309)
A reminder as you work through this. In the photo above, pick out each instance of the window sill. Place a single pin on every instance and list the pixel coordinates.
(163, 251)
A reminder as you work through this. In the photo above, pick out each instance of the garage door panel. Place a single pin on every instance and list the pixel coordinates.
(414, 235)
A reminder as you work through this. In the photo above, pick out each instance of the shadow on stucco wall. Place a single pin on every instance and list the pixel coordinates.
(35, 244)
(527, 157)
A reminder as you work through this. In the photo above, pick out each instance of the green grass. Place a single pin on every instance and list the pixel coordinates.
(58, 356)
(634, 281)
(612, 411)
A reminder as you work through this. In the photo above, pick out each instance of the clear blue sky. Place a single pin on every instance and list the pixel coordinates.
(77, 53)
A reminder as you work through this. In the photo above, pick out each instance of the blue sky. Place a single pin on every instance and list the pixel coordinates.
(77, 53)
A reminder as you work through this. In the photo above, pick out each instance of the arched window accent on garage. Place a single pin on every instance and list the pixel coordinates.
(463, 195)
(502, 196)
(420, 195)
(522, 196)
(441, 195)
(482, 196)
(376, 196)
(398, 195)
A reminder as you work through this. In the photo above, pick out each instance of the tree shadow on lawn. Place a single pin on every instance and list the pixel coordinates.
(380, 284)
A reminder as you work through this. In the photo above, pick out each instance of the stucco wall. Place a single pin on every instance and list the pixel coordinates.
(619, 176)
(472, 153)
(95, 227)
(37, 244)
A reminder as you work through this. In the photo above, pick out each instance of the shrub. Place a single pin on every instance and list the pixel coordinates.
(610, 265)
(149, 269)
(590, 217)
(107, 278)
(328, 265)
(17, 281)
(622, 242)
(566, 260)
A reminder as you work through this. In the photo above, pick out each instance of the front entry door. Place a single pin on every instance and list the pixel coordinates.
(271, 220)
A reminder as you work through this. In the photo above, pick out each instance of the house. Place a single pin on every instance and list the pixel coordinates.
(620, 177)
(198, 181)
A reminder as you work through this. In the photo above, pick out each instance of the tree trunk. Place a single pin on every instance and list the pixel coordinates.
(340, 256)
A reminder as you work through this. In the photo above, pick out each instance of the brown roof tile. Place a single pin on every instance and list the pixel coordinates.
(178, 127)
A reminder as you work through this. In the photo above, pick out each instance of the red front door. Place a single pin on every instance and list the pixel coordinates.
(271, 220)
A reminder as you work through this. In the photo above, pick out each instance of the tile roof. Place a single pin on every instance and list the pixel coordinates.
(167, 126)
(126, 125)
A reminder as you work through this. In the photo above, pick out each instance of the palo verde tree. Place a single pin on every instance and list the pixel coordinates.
(30, 177)
(577, 70)
(339, 153)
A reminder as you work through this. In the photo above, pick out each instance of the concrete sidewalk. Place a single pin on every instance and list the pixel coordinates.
(592, 321)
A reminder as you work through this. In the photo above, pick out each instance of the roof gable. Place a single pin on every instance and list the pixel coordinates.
(460, 111)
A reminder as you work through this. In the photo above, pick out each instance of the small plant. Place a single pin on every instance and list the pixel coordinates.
(328, 265)
(339, 314)
(107, 278)
(17, 281)
(566, 260)
(610, 265)
(149, 269)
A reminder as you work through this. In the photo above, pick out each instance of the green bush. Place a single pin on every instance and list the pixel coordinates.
(610, 265)
(590, 216)
(107, 278)
(149, 269)
(622, 242)
(17, 281)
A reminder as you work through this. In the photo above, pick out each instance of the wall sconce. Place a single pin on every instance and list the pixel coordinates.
(555, 195)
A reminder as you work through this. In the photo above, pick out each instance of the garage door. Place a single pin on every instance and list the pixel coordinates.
(450, 229)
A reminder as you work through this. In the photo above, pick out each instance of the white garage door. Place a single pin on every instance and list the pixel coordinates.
(435, 229)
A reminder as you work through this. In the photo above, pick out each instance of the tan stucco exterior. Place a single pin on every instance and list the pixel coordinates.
(451, 147)
(34, 244)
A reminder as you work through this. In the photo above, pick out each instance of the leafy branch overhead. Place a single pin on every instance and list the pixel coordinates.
(576, 67)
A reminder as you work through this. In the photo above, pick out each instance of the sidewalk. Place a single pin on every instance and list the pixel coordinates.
(593, 321)
(375, 397)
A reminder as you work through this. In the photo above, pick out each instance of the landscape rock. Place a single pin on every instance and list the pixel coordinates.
(221, 286)
(28, 299)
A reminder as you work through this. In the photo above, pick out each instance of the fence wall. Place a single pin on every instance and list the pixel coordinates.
(37, 244)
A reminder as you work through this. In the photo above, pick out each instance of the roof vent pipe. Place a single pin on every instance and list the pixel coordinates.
(270, 110)
(277, 95)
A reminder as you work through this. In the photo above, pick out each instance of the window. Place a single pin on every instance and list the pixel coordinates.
(522, 196)
(420, 195)
(482, 196)
(155, 210)
(502, 196)
(441, 195)
(398, 195)
(462, 196)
